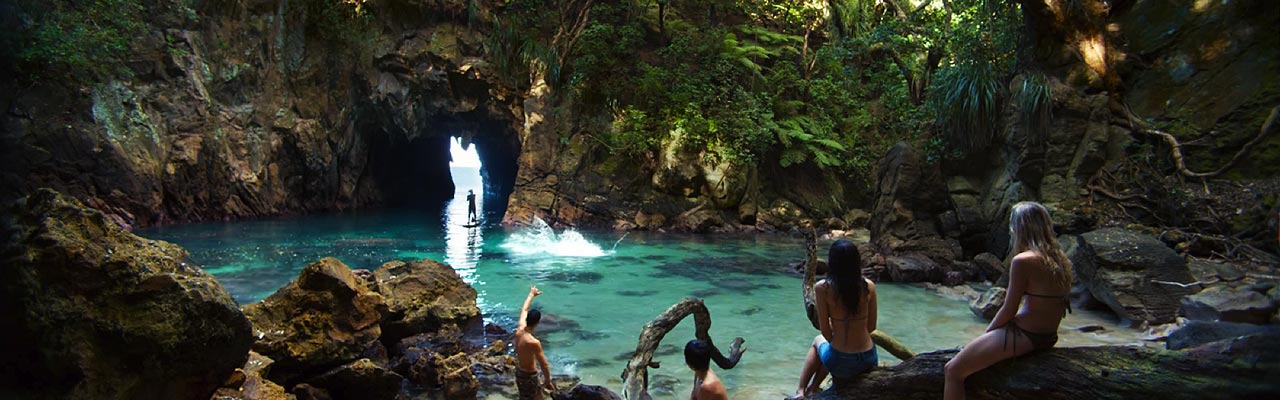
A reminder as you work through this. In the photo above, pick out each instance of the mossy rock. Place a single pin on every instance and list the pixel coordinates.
(92, 311)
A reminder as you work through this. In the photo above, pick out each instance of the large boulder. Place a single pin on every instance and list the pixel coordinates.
(914, 268)
(422, 296)
(909, 196)
(1215, 370)
(325, 318)
(989, 267)
(1224, 303)
(91, 311)
(1196, 333)
(1134, 274)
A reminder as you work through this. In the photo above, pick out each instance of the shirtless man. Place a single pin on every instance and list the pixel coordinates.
(706, 385)
(529, 350)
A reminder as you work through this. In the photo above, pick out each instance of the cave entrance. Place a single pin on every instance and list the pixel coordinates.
(466, 207)
(431, 166)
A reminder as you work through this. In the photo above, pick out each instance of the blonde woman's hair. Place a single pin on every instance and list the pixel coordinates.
(1032, 230)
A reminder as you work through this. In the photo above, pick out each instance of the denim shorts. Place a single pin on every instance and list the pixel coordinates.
(844, 365)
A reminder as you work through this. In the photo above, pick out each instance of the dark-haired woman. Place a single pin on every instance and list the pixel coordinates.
(1039, 283)
(846, 304)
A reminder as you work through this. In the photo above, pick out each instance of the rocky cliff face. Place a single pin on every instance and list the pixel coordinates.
(255, 110)
(259, 109)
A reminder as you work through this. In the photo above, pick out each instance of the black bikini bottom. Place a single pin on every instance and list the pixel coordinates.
(1039, 341)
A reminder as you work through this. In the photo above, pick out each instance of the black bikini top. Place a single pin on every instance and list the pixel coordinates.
(1066, 299)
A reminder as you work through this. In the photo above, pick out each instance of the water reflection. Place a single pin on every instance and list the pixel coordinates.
(464, 239)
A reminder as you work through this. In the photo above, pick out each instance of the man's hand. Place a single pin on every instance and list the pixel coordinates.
(550, 385)
(533, 290)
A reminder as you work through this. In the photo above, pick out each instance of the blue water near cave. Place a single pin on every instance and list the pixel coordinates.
(609, 287)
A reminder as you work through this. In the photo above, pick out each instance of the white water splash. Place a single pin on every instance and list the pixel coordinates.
(539, 238)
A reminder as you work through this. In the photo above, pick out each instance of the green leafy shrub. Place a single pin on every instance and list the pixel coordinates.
(967, 98)
(75, 40)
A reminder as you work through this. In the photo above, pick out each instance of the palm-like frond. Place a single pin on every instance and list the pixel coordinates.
(968, 100)
(1035, 103)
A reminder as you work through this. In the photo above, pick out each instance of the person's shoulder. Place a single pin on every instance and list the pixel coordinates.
(1026, 259)
(1027, 256)
(871, 285)
(823, 284)
(712, 388)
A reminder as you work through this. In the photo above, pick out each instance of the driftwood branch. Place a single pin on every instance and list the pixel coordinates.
(1139, 125)
(893, 346)
(636, 375)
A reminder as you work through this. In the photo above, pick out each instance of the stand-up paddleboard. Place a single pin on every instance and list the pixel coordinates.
(473, 224)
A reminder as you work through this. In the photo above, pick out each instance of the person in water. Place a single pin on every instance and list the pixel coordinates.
(846, 304)
(529, 351)
(471, 206)
(1041, 273)
(706, 385)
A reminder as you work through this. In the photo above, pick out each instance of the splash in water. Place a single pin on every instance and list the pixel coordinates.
(539, 238)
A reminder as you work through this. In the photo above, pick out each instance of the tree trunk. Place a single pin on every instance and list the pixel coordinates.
(636, 375)
(1232, 369)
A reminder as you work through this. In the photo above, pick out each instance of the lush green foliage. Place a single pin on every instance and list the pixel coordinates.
(824, 83)
(968, 101)
(60, 39)
(970, 91)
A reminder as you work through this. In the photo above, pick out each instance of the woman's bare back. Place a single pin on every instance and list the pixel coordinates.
(1044, 302)
(849, 331)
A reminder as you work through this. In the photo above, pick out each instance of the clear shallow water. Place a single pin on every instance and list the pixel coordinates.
(610, 292)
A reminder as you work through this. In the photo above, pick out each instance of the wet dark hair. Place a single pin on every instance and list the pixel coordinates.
(845, 271)
(697, 355)
(533, 318)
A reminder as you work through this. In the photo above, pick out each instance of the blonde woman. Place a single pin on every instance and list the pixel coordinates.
(1040, 273)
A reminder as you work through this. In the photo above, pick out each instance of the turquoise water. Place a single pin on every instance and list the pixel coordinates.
(610, 292)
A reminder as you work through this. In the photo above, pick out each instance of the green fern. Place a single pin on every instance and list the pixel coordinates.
(804, 139)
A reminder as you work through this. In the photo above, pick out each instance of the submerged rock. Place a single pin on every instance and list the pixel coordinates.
(1125, 270)
(586, 392)
(421, 296)
(92, 311)
(323, 319)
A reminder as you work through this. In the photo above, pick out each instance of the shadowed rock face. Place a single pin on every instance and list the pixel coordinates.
(1121, 267)
(324, 318)
(92, 311)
